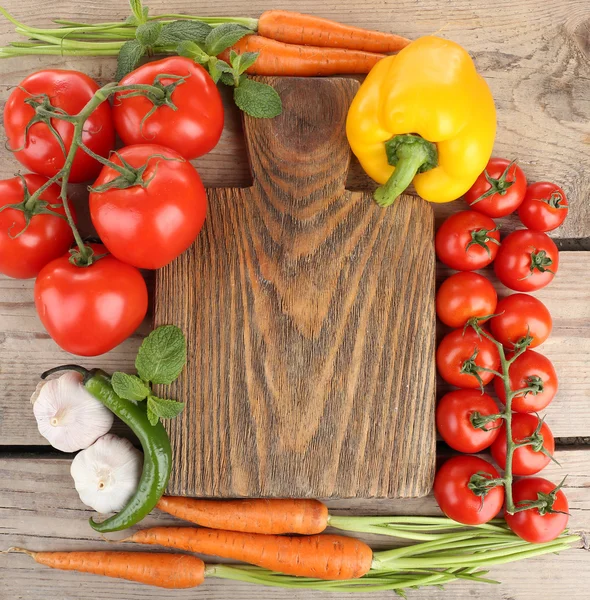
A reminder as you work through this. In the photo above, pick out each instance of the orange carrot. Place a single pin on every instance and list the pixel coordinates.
(277, 58)
(254, 516)
(296, 28)
(317, 556)
(174, 571)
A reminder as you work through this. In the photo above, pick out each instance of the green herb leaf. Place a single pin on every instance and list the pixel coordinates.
(153, 418)
(257, 99)
(162, 355)
(244, 61)
(140, 13)
(227, 79)
(191, 50)
(129, 57)
(180, 31)
(148, 33)
(224, 36)
(212, 67)
(129, 387)
(165, 409)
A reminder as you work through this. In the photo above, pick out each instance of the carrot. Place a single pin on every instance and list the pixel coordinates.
(277, 58)
(296, 28)
(254, 516)
(174, 571)
(317, 556)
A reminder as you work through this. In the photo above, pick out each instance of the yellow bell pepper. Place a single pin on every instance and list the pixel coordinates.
(425, 115)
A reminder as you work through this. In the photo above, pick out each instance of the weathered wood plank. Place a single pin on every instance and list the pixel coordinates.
(26, 350)
(534, 56)
(40, 509)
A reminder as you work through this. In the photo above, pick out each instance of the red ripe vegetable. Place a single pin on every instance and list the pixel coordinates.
(544, 207)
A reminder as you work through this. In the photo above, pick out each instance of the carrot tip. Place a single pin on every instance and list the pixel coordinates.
(14, 549)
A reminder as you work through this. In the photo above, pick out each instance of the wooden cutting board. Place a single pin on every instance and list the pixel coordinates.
(309, 315)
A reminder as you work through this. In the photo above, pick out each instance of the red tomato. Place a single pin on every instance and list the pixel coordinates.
(453, 420)
(530, 369)
(457, 501)
(465, 295)
(499, 190)
(520, 315)
(537, 525)
(456, 353)
(90, 310)
(23, 255)
(526, 460)
(149, 225)
(544, 207)
(467, 241)
(193, 129)
(41, 151)
(527, 260)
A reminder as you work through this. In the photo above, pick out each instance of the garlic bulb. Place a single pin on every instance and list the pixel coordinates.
(107, 474)
(68, 416)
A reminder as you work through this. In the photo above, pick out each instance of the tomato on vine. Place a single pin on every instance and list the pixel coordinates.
(184, 112)
(463, 420)
(468, 491)
(544, 207)
(527, 260)
(521, 318)
(466, 359)
(88, 310)
(529, 459)
(533, 373)
(467, 241)
(463, 296)
(39, 141)
(546, 510)
(32, 232)
(499, 190)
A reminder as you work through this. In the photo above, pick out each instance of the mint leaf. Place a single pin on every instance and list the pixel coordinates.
(227, 79)
(162, 355)
(257, 99)
(191, 50)
(148, 33)
(153, 418)
(224, 36)
(243, 61)
(129, 387)
(165, 409)
(180, 31)
(129, 57)
(140, 14)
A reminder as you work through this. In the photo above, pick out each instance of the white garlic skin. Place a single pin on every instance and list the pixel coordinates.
(107, 474)
(68, 416)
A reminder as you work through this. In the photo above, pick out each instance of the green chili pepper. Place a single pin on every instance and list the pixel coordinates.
(157, 453)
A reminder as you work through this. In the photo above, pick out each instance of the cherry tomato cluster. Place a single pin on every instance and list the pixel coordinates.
(147, 202)
(491, 343)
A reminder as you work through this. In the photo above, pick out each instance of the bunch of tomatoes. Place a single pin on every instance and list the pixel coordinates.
(147, 202)
(468, 419)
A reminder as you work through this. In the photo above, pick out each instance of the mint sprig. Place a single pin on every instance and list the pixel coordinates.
(160, 360)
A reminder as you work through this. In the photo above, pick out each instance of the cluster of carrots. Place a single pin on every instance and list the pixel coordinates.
(296, 44)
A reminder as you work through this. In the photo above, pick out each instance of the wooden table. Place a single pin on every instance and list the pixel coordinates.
(535, 56)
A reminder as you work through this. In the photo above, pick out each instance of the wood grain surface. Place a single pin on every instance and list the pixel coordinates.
(309, 314)
(40, 509)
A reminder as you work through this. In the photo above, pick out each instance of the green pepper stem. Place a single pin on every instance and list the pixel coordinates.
(410, 154)
(84, 372)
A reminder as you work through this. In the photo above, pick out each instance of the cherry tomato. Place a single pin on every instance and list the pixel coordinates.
(149, 225)
(466, 351)
(193, 128)
(457, 501)
(527, 460)
(465, 295)
(520, 315)
(41, 151)
(90, 310)
(544, 207)
(454, 412)
(537, 525)
(530, 369)
(499, 190)
(26, 249)
(527, 260)
(467, 241)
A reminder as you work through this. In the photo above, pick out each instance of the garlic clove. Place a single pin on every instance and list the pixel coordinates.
(107, 473)
(68, 416)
